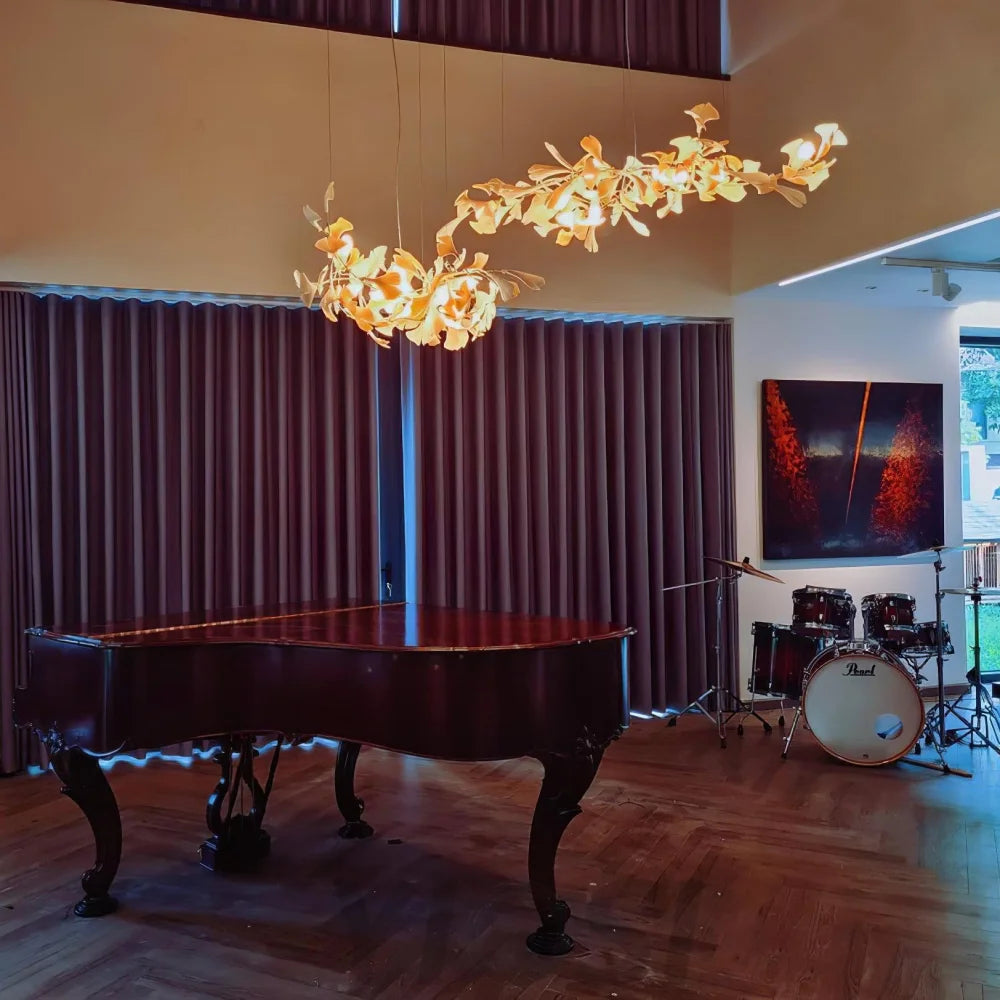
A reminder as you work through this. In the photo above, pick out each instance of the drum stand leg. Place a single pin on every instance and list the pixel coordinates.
(791, 731)
(723, 696)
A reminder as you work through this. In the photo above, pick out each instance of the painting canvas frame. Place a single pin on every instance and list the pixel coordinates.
(851, 469)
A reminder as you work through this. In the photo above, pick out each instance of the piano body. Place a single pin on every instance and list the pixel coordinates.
(436, 682)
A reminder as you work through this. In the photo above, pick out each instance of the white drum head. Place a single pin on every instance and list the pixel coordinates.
(862, 707)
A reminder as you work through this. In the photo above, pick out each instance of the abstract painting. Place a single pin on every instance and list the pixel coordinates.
(851, 468)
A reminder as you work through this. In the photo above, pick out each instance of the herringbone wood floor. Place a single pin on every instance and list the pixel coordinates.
(693, 872)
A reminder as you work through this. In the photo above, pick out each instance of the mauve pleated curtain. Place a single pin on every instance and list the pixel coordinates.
(666, 36)
(163, 458)
(576, 469)
(15, 521)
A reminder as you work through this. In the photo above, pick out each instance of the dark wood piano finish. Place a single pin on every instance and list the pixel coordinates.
(436, 682)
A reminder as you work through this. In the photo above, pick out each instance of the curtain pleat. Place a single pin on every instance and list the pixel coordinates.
(664, 36)
(166, 458)
(576, 469)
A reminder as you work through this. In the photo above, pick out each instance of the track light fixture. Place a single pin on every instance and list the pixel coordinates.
(941, 285)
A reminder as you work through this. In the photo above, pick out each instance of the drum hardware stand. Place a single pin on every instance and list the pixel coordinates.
(722, 715)
(797, 714)
(983, 723)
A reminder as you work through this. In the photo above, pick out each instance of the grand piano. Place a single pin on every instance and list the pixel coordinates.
(435, 682)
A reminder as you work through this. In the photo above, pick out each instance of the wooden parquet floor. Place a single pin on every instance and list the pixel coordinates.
(692, 872)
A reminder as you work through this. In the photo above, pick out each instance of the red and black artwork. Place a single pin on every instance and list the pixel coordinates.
(851, 468)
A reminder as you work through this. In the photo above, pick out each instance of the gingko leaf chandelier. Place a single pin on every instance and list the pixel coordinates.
(449, 303)
(573, 200)
(453, 303)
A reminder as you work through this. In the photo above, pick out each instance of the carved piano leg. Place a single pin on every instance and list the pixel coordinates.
(566, 781)
(350, 806)
(84, 782)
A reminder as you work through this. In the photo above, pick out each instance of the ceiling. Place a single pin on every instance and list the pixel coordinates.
(871, 282)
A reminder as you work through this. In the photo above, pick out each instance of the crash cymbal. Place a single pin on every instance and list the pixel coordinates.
(967, 591)
(744, 567)
(938, 549)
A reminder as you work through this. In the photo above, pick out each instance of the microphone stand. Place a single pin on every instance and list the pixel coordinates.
(722, 715)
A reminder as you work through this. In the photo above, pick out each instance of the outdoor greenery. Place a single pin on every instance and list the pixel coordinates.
(980, 367)
(989, 636)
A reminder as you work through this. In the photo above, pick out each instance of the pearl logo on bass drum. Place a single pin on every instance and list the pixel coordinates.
(853, 670)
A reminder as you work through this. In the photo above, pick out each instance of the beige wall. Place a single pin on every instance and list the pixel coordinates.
(149, 148)
(913, 83)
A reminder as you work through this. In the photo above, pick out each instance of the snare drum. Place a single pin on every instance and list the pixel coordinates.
(780, 657)
(925, 639)
(888, 619)
(861, 704)
(823, 611)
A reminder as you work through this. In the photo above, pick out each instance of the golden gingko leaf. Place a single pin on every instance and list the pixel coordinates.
(328, 197)
(445, 240)
(640, 227)
(307, 290)
(591, 144)
(702, 115)
(556, 155)
(312, 217)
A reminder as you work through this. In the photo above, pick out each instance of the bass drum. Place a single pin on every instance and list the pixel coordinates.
(861, 704)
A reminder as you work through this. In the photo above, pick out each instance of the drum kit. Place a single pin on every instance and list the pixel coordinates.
(859, 696)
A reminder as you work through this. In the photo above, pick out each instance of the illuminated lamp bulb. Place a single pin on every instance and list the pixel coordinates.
(441, 296)
(806, 150)
(566, 218)
(562, 201)
(661, 176)
(594, 217)
(681, 177)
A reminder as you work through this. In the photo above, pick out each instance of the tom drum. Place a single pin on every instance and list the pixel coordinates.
(780, 658)
(823, 611)
(888, 619)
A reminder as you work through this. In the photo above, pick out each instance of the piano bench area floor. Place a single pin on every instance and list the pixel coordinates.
(693, 872)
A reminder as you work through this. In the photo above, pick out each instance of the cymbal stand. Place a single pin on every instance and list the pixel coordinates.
(981, 728)
(718, 690)
(934, 722)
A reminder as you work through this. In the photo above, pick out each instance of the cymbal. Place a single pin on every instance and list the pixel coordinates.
(937, 549)
(969, 591)
(744, 567)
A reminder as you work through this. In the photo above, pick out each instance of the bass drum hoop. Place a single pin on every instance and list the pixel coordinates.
(866, 647)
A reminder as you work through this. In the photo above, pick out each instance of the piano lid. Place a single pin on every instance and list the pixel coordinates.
(378, 627)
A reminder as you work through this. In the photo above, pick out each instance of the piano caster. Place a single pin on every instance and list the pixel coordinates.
(96, 906)
(357, 829)
(350, 805)
(552, 940)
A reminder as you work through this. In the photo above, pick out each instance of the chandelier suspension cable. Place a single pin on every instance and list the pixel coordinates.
(420, 134)
(503, 114)
(628, 74)
(444, 73)
(329, 94)
(399, 121)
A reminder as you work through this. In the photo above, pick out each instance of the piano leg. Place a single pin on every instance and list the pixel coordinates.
(350, 806)
(84, 782)
(566, 781)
